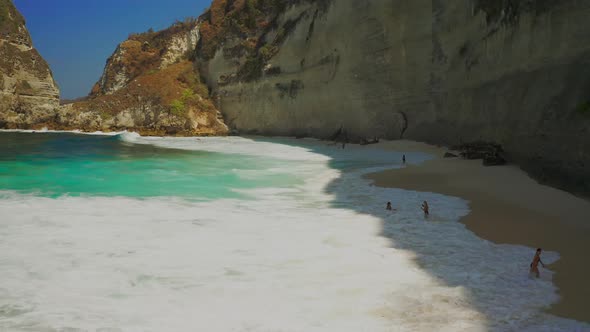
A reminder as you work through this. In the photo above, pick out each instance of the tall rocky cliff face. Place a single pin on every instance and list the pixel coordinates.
(29, 96)
(149, 85)
(516, 72)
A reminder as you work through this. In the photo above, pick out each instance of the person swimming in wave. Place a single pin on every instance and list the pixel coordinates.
(535, 263)
(389, 207)
(425, 209)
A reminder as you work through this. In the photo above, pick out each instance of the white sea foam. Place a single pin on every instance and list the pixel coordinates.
(322, 256)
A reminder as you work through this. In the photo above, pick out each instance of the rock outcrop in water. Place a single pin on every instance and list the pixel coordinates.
(28, 94)
(150, 86)
(514, 72)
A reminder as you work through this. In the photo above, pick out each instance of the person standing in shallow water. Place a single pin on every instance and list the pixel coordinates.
(425, 209)
(404, 159)
(535, 263)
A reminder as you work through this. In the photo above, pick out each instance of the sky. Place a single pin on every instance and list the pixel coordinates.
(77, 36)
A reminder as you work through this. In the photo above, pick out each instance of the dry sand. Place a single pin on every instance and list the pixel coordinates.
(507, 206)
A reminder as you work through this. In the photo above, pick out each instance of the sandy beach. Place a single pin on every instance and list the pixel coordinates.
(507, 206)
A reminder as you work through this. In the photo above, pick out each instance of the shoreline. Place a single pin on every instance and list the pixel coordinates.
(402, 290)
(508, 207)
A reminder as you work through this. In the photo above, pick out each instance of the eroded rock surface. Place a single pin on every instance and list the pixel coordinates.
(512, 72)
(28, 94)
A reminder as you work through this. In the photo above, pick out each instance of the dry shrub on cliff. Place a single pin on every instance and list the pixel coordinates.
(10, 21)
(208, 42)
(212, 27)
(251, 21)
(190, 79)
(156, 41)
(240, 18)
(136, 59)
(139, 55)
(158, 90)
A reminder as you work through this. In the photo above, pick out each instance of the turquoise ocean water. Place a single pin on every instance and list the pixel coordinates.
(57, 164)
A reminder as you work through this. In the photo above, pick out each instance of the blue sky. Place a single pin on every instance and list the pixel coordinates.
(77, 36)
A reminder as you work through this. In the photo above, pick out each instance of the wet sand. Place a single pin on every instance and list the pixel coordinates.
(507, 206)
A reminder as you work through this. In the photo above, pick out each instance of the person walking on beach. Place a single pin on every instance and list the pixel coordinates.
(535, 263)
(425, 209)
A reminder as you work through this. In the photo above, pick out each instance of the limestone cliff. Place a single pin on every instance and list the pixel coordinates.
(516, 72)
(149, 85)
(28, 93)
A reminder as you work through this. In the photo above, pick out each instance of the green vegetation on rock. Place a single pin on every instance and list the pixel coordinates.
(179, 107)
(583, 108)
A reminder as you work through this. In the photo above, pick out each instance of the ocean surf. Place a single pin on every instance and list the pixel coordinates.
(130, 233)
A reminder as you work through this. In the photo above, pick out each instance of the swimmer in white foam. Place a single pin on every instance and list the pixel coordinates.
(535, 263)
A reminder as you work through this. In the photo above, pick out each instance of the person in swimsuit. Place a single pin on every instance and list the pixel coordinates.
(404, 159)
(535, 263)
(425, 209)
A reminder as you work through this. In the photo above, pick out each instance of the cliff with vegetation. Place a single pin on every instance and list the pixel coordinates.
(28, 93)
(513, 72)
(149, 85)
